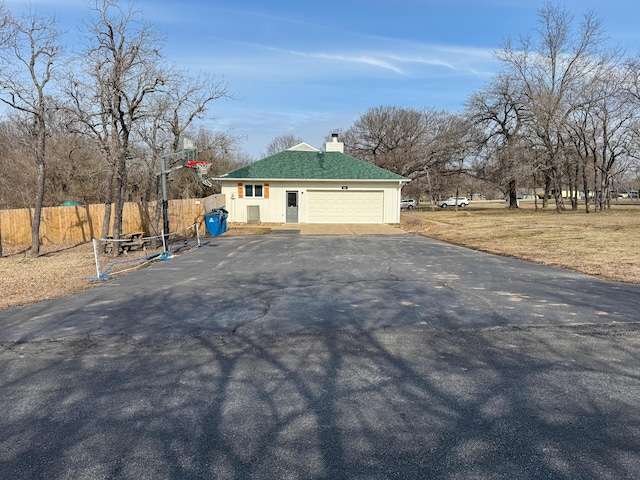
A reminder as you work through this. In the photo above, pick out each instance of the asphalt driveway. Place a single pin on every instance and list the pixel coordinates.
(326, 357)
(286, 283)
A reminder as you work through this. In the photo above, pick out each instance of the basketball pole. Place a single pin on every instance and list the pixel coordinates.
(187, 150)
(165, 202)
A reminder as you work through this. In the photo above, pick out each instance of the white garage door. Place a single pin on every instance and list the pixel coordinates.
(345, 206)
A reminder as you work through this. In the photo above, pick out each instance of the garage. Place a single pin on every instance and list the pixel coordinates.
(305, 185)
(345, 206)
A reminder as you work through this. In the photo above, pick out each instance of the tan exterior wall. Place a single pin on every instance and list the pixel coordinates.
(67, 225)
(272, 209)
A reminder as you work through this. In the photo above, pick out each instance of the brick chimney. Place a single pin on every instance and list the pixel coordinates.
(334, 145)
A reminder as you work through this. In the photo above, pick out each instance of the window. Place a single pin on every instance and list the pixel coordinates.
(253, 190)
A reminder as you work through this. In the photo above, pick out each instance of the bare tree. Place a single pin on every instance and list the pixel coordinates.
(281, 143)
(187, 99)
(122, 67)
(222, 149)
(463, 143)
(27, 66)
(74, 170)
(4, 19)
(17, 188)
(390, 137)
(423, 145)
(402, 140)
(602, 132)
(175, 105)
(553, 71)
(499, 112)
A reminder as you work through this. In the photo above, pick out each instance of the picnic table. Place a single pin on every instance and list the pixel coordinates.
(130, 241)
(133, 241)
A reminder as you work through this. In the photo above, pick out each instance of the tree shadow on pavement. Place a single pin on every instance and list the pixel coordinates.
(390, 403)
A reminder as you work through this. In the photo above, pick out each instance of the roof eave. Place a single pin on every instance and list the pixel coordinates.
(238, 179)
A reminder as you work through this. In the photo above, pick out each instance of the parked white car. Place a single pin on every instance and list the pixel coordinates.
(408, 203)
(451, 202)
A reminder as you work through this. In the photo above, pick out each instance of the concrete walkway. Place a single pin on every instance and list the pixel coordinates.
(339, 229)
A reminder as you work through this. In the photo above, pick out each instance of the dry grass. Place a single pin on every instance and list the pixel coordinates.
(58, 271)
(605, 244)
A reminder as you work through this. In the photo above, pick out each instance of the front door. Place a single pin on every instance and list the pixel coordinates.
(292, 207)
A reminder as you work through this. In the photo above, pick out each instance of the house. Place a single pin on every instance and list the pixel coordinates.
(307, 185)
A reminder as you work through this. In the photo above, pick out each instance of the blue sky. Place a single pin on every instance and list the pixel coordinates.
(308, 67)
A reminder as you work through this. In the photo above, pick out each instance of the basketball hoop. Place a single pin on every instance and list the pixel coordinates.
(202, 168)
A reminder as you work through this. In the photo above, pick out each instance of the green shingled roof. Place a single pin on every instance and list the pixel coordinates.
(293, 164)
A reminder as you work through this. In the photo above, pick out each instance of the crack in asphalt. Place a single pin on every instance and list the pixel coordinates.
(483, 301)
(265, 311)
(268, 302)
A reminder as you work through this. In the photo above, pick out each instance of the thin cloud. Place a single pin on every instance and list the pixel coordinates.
(424, 61)
(348, 58)
(365, 59)
(457, 59)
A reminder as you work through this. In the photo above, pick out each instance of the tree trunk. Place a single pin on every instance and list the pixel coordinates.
(596, 186)
(585, 187)
(574, 188)
(108, 202)
(513, 194)
(41, 138)
(119, 152)
(37, 213)
(120, 186)
(559, 200)
(547, 190)
(106, 221)
(602, 191)
(457, 193)
(557, 188)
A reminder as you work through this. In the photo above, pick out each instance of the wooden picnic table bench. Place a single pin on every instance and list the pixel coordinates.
(133, 241)
(130, 241)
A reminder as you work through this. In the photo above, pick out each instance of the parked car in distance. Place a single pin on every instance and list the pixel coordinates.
(408, 203)
(451, 202)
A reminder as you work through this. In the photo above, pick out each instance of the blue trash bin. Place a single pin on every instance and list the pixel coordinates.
(213, 224)
(216, 221)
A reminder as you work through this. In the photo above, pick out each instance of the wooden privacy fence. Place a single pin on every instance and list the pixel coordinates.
(76, 224)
